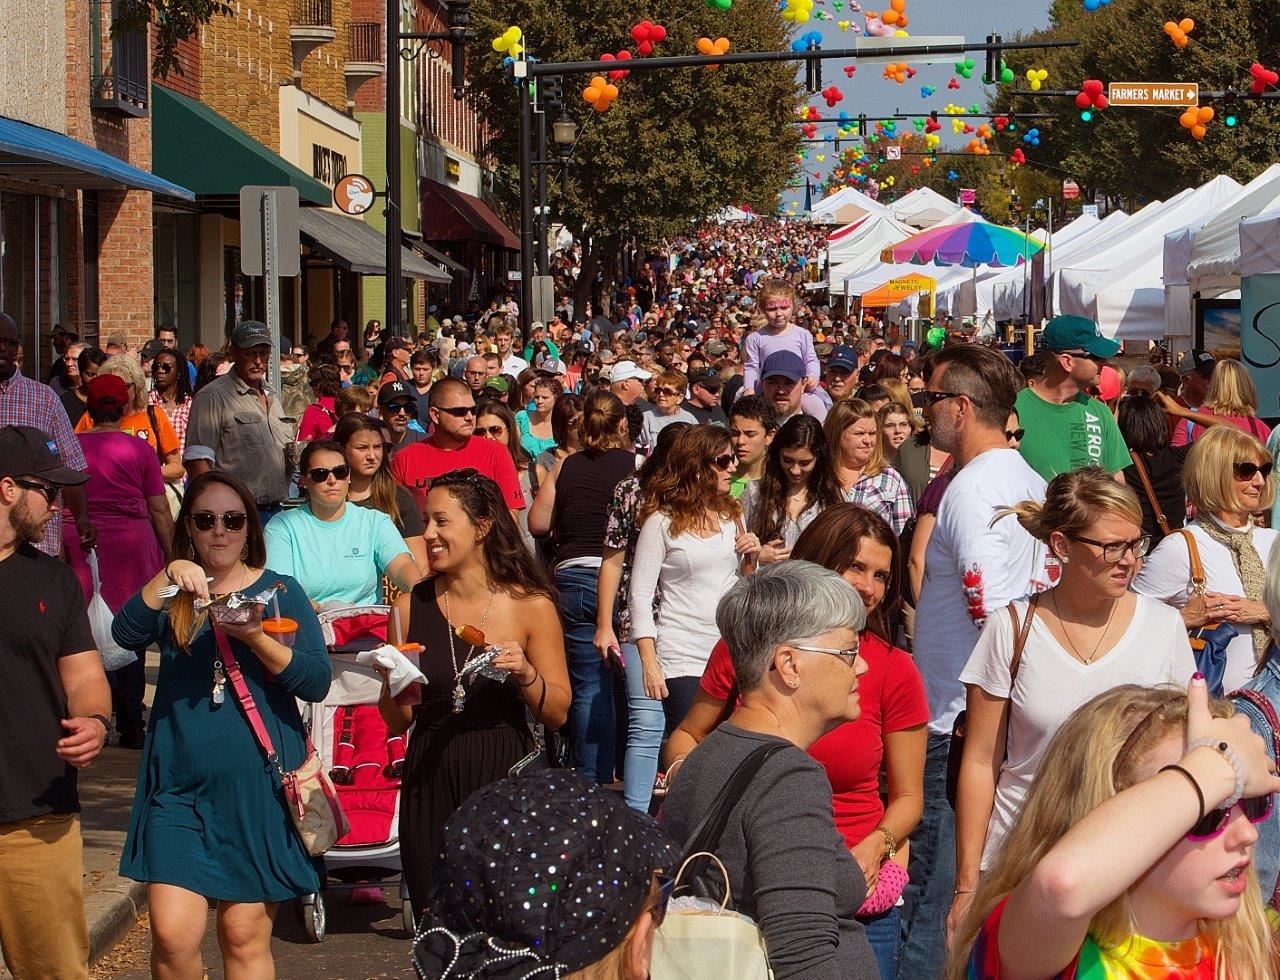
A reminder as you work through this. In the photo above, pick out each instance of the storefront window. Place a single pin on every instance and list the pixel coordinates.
(31, 287)
(177, 245)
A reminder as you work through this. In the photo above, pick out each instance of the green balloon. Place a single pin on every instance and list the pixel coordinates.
(935, 336)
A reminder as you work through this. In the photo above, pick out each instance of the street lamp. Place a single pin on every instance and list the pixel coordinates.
(565, 133)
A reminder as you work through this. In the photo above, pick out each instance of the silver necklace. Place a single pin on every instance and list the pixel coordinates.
(459, 692)
(1105, 631)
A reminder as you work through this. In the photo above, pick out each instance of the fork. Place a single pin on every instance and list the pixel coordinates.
(169, 591)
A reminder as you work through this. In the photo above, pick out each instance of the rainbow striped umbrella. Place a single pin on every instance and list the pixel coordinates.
(970, 245)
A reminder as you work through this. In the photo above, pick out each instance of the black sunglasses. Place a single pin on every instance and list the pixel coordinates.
(49, 491)
(318, 474)
(1247, 471)
(162, 367)
(933, 397)
(397, 407)
(458, 411)
(232, 520)
(725, 461)
(1015, 434)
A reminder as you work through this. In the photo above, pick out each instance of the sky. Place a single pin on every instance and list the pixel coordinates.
(868, 91)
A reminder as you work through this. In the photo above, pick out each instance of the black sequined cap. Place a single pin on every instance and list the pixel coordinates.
(552, 862)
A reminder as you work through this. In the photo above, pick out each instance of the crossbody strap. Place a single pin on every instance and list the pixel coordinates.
(1263, 704)
(1197, 568)
(706, 836)
(245, 698)
(1150, 490)
(155, 431)
(1020, 639)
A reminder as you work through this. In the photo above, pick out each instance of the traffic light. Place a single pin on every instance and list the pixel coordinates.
(934, 115)
(813, 69)
(551, 90)
(1086, 115)
(995, 57)
(862, 124)
(1230, 118)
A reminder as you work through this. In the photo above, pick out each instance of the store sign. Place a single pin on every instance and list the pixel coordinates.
(452, 168)
(327, 166)
(908, 285)
(968, 195)
(354, 194)
(1154, 94)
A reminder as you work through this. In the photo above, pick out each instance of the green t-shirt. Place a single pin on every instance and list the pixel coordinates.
(738, 485)
(1060, 438)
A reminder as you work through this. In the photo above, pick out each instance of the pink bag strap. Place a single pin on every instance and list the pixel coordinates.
(1263, 704)
(246, 699)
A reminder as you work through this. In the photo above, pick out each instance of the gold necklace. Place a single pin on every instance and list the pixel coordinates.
(459, 692)
(1105, 630)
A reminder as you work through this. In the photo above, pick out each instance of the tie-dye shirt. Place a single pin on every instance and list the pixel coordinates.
(1138, 959)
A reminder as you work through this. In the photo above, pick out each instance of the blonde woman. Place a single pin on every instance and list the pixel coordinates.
(1232, 398)
(1088, 634)
(853, 433)
(153, 425)
(1131, 857)
(1229, 480)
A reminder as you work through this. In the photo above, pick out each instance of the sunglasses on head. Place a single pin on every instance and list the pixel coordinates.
(1247, 471)
(1255, 808)
(318, 474)
(232, 520)
(458, 411)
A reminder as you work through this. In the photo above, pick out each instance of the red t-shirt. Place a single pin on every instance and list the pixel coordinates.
(892, 696)
(415, 466)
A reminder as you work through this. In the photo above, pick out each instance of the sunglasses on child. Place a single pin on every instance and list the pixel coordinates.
(232, 520)
(1256, 809)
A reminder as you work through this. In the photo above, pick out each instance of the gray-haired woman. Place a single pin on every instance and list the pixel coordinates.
(792, 631)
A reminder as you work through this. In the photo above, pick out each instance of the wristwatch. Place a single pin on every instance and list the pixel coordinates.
(890, 843)
(106, 724)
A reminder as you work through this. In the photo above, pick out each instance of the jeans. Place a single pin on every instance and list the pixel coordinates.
(933, 873)
(590, 677)
(644, 735)
(128, 687)
(680, 694)
(883, 933)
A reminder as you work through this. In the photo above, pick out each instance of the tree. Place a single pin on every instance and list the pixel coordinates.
(1139, 155)
(678, 145)
(171, 22)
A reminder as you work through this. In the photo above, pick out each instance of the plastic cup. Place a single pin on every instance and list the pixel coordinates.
(412, 694)
(282, 629)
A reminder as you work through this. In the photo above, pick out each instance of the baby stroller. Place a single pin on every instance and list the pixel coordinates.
(363, 760)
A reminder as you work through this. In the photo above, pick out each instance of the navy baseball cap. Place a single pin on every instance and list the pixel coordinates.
(28, 451)
(250, 333)
(843, 357)
(785, 363)
(396, 390)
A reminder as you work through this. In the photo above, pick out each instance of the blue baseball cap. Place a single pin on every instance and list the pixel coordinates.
(843, 356)
(1068, 333)
(785, 363)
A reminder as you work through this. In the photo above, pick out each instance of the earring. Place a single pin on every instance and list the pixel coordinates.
(1063, 559)
(793, 683)
(244, 553)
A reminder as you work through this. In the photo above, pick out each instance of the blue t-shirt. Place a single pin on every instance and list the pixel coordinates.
(342, 559)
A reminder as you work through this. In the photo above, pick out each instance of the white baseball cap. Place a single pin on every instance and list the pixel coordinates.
(626, 370)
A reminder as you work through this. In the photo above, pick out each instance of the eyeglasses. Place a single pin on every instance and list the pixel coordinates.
(1256, 809)
(665, 391)
(458, 411)
(1115, 550)
(232, 520)
(1015, 434)
(399, 408)
(849, 656)
(1247, 471)
(725, 461)
(933, 397)
(319, 474)
(492, 431)
(49, 491)
(1086, 356)
(666, 886)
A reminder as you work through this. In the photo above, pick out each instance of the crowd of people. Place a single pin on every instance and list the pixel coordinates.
(966, 626)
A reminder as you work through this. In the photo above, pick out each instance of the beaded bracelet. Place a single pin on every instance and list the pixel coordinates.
(1225, 750)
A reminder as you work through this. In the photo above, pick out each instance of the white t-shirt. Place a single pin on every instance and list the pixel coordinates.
(514, 364)
(693, 574)
(973, 568)
(1052, 684)
(1166, 575)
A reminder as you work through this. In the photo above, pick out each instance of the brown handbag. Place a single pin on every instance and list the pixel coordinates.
(1151, 493)
(955, 751)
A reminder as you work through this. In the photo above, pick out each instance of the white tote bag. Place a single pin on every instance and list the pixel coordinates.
(699, 940)
(114, 656)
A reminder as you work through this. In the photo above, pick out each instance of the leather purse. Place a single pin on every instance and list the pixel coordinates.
(312, 801)
(1208, 642)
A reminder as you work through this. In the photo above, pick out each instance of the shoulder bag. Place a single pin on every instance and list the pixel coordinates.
(1208, 642)
(1264, 705)
(955, 751)
(1161, 520)
(702, 937)
(172, 488)
(312, 800)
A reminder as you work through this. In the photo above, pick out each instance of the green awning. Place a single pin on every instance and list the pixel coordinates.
(195, 147)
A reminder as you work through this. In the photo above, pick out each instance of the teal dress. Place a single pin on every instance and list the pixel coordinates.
(532, 444)
(209, 814)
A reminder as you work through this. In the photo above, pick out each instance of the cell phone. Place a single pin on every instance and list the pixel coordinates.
(614, 657)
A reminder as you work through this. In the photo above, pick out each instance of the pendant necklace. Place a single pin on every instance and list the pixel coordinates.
(1105, 631)
(219, 694)
(459, 692)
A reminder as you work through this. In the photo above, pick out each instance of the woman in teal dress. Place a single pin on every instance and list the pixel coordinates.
(209, 817)
(534, 424)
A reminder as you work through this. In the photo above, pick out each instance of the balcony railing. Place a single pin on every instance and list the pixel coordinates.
(366, 44)
(313, 13)
(118, 80)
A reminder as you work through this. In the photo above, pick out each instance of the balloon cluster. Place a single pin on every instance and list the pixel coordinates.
(1178, 31)
(1092, 95)
(646, 34)
(896, 15)
(1006, 75)
(508, 42)
(1197, 119)
(849, 70)
(1036, 77)
(1093, 5)
(926, 91)
(977, 147)
(708, 47)
(1263, 79)
(1032, 137)
(600, 93)
(797, 11)
(953, 83)
(1017, 157)
(720, 4)
(965, 68)
(618, 73)
(899, 73)
(806, 40)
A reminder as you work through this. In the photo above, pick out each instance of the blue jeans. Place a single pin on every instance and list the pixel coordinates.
(885, 938)
(591, 679)
(644, 735)
(933, 873)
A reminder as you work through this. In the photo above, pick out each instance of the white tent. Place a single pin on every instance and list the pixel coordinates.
(862, 247)
(923, 208)
(732, 213)
(1260, 244)
(1121, 288)
(845, 205)
(1008, 289)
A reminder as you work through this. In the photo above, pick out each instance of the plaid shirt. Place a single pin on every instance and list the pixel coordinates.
(27, 402)
(177, 417)
(885, 494)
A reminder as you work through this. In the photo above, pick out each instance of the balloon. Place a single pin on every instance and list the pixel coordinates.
(952, 175)
(849, 70)
(1032, 137)
(977, 147)
(806, 40)
(707, 46)
(1091, 95)
(896, 15)
(1262, 79)
(932, 125)
(1006, 74)
(797, 11)
(1197, 119)
(1178, 31)
(720, 4)
(926, 91)
(832, 94)
(620, 73)
(1002, 123)
(600, 93)
(809, 130)
(1037, 77)
(965, 68)
(647, 34)
(1017, 157)
(844, 25)
(1092, 5)
(896, 72)
(508, 42)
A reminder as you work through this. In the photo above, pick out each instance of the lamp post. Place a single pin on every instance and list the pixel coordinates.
(564, 133)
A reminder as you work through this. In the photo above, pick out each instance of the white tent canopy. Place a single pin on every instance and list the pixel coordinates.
(923, 208)
(1008, 299)
(845, 205)
(862, 247)
(1121, 288)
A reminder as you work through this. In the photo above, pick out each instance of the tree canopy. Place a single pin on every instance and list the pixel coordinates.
(172, 22)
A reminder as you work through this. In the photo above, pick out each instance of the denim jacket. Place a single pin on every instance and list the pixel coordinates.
(1266, 853)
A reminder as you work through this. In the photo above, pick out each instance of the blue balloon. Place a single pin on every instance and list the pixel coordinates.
(802, 42)
(1032, 137)
(952, 175)
(1092, 5)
